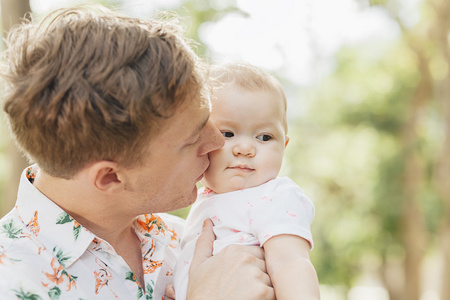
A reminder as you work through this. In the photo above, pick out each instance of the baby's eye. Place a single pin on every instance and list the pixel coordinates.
(264, 137)
(227, 134)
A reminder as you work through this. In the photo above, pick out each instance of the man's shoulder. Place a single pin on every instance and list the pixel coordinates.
(19, 261)
(22, 278)
(11, 229)
(18, 245)
(28, 270)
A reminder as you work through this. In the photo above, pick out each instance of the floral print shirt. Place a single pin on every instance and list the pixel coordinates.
(46, 254)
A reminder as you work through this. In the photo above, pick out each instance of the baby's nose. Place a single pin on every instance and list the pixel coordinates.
(244, 149)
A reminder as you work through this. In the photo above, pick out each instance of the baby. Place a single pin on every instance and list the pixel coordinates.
(242, 194)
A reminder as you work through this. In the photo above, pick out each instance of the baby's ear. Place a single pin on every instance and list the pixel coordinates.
(287, 141)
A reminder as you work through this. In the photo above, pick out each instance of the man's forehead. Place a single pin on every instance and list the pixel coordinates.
(204, 113)
(199, 110)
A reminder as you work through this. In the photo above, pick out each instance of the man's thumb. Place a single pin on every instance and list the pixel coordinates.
(204, 245)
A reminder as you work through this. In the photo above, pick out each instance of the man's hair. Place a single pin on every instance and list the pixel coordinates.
(247, 77)
(87, 84)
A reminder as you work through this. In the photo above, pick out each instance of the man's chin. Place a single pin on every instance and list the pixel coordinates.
(193, 196)
(199, 178)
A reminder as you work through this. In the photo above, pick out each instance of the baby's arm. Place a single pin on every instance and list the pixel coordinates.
(292, 273)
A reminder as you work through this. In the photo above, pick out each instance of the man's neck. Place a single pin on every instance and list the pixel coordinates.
(99, 213)
(96, 211)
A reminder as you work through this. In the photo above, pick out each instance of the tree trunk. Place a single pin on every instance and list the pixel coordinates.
(445, 247)
(12, 13)
(393, 277)
(442, 31)
(413, 226)
(443, 182)
(414, 231)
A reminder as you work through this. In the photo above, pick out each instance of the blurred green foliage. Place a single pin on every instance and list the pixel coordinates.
(348, 152)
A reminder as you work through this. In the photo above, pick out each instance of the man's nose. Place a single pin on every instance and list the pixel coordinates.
(214, 139)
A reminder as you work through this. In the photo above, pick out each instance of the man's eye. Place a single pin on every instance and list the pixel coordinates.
(227, 134)
(264, 137)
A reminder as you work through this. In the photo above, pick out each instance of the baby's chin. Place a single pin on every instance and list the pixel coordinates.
(233, 184)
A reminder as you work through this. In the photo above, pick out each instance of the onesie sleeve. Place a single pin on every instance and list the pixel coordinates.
(283, 208)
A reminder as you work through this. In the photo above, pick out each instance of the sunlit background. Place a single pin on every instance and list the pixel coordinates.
(368, 93)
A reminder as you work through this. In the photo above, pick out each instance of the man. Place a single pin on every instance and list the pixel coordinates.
(115, 114)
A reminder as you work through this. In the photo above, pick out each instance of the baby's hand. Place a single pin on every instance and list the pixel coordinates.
(169, 292)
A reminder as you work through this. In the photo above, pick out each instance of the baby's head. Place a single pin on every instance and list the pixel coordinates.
(249, 108)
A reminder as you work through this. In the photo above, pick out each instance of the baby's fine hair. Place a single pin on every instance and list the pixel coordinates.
(88, 84)
(247, 77)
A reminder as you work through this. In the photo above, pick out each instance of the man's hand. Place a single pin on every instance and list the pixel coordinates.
(169, 292)
(237, 272)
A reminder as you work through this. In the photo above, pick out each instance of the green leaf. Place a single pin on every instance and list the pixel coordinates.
(62, 259)
(76, 232)
(140, 293)
(11, 230)
(22, 295)
(63, 218)
(149, 288)
(54, 293)
(129, 276)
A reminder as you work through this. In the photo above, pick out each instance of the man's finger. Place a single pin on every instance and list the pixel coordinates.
(169, 292)
(255, 251)
(204, 244)
(265, 279)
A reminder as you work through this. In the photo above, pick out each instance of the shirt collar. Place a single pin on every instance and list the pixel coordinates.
(52, 226)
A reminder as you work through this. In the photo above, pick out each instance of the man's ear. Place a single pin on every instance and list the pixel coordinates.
(104, 176)
(287, 141)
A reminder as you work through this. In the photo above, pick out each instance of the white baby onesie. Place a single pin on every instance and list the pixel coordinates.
(246, 217)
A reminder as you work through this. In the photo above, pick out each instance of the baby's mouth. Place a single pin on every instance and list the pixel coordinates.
(243, 168)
